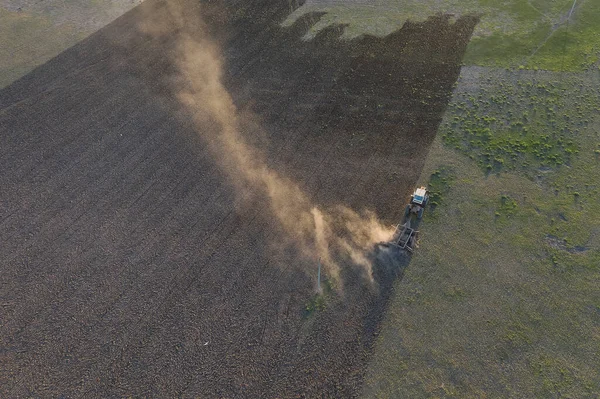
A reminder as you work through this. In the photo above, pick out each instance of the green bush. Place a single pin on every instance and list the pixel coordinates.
(439, 184)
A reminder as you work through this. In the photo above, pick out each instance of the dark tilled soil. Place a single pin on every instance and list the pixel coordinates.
(128, 264)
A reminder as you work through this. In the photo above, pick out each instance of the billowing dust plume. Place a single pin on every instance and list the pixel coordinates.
(318, 233)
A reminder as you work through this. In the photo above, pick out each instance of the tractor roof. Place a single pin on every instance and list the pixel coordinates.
(421, 192)
(419, 195)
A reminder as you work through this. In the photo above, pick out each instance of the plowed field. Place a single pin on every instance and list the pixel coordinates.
(130, 262)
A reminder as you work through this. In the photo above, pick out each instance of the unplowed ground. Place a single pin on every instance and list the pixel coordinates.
(129, 266)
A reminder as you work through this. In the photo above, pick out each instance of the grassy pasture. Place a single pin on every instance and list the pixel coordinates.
(516, 121)
(33, 33)
(30, 40)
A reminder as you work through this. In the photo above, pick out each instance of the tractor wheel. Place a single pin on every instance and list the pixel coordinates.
(407, 211)
(420, 214)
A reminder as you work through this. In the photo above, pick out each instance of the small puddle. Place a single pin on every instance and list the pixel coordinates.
(559, 244)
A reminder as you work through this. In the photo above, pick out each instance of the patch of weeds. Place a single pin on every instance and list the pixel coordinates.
(318, 301)
(456, 293)
(507, 207)
(518, 334)
(555, 376)
(520, 125)
(439, 185)
(516, 339)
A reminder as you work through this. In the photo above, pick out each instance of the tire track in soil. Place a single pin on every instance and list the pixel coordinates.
(117, 293)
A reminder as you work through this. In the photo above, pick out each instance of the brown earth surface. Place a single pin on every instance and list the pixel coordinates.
(130, 265)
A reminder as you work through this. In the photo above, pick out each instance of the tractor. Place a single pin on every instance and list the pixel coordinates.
(417, 204)
(405, 235)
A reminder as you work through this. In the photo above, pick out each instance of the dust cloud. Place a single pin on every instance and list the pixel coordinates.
(318, 233)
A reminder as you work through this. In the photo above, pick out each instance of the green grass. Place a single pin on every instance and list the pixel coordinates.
(29, 40)
(320, 300)
(316, 303)
(41, 31)
(439, 185)
(521, 124)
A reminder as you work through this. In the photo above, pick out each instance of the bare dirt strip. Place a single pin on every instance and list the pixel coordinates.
(131, 265)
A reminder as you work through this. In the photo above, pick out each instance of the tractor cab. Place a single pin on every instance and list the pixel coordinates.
(419, 196)
(405, 235)
(418, 201)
